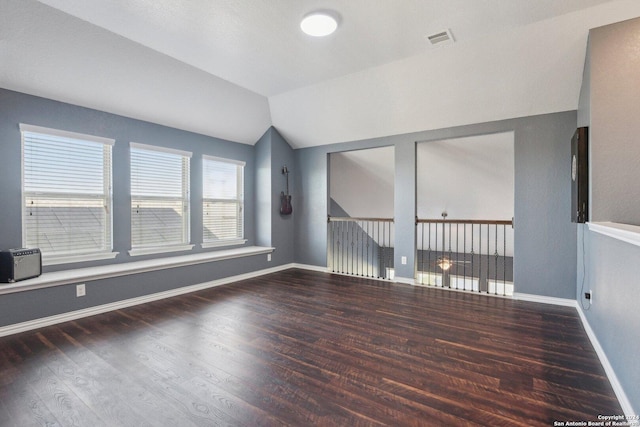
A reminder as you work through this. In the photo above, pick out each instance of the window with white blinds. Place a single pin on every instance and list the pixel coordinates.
(222, 201)
(159, 199)
(66, 194)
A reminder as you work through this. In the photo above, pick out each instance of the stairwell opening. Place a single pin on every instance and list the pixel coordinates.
(360, 232)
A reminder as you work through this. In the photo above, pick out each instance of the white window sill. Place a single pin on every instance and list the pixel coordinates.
(80, 275)
(159, 250)
(57, 260)
(222, 243)
(625, 232)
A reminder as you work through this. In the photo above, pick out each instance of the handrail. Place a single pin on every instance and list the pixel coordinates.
(465, 221)
(347, 218)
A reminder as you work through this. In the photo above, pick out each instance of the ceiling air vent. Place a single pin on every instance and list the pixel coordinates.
(441, 38)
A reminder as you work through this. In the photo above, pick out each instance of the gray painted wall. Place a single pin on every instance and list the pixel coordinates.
(272, 228)
(615, 122)
(608, 267)
(18, 108)
(545, 249)
(263, 189)
(282, 231)
(584, 103)
(612, 274)
(405, 210)
(29, 305)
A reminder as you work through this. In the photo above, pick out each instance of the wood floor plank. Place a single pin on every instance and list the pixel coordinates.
(301, 348)
(148, 360)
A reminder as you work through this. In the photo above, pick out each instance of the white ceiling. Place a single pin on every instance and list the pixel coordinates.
(232, 68)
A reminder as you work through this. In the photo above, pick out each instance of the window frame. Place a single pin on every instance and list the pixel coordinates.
(239, 199)
(66, 257)
(185, 245)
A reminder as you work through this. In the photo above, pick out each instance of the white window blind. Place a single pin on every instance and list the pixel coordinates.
(66, 189)
(223, 201)
(159, 197)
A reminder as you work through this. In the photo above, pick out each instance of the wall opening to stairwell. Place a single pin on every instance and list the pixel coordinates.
(465, 207)
(360, 232)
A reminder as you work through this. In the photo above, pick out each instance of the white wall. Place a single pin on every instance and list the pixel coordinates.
(469, 178)
(361, 181)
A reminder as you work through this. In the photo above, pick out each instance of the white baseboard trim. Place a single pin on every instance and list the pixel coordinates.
(627, 408)
(91, 311)
(545, 300)
(405, 280)
(310, 267)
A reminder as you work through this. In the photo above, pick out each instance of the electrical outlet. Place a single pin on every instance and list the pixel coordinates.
(81, 290)
(589, 296)
(403, 260)
(268, 257)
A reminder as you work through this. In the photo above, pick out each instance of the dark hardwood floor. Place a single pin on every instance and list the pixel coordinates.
(302, 348)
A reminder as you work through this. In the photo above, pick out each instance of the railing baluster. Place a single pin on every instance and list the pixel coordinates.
(473, 272)
(336, 231)
(381, 253)
(429, 268)
(368, 238)
(390, 255)
(504, 258)
(363, 238)
(342, 248)
(450, 258)
(333, 246)
(339, 246)
(379, 262)
(384, 250)
(369, 248)
(496, 257)
(464, 279)
(336, 237)
(346, 248)
(352, 247)
(479, 254)
(360, 246)
(422, 252)
(488, 257)
(329, 247)
(484, 276)
(464, 276)
(347, 241)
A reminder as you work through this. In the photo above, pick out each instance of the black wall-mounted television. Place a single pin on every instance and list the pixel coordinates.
(580, 175)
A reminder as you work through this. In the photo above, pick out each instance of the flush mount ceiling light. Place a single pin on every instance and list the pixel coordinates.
(320, 23)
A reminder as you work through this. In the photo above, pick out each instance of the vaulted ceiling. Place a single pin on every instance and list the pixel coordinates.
(232, 68)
